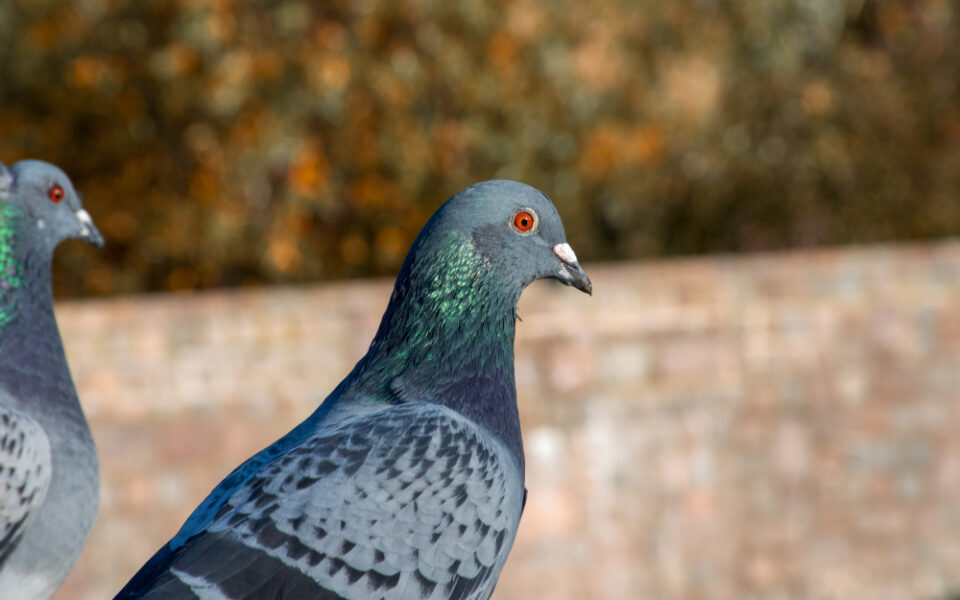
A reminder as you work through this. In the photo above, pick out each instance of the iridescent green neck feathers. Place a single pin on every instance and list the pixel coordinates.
(11, 270)
(447, 318)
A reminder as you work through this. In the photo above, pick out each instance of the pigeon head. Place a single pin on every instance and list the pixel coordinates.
(473, 259)
(49, 205)
(453, 309)
(514, 231)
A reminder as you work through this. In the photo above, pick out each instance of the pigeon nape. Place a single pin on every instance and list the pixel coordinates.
(407, 482)
(49, 475)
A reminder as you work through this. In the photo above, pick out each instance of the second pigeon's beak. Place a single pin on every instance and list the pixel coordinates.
(88, 230)
(571, 273)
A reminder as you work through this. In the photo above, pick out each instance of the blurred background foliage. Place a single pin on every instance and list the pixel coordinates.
(235, 142)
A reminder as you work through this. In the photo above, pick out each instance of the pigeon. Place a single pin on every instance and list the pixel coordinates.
(407, 482)
(49, 476)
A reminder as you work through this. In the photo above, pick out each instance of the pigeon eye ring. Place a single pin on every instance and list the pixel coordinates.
(55, 193)
(525, 221)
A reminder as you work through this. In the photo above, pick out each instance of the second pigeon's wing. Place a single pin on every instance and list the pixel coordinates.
(413, 501)
(25, 469)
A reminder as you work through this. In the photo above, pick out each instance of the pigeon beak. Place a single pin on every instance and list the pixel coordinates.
(571, 273)
(88, 230)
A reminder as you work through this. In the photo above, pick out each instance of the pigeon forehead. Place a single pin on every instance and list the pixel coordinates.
(37, 172)
(501, 192)
(32, 179)
(497, 200)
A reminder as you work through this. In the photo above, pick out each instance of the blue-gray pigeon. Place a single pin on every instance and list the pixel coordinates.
(49, 478)
(407, 482)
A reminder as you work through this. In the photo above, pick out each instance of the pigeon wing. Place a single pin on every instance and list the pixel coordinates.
(412, 502)
(25, 469)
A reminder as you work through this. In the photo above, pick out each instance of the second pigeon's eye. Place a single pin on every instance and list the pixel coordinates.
(524, 221)
(55, 193)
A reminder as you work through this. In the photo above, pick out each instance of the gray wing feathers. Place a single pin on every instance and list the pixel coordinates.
(415, 502)
(25, 469)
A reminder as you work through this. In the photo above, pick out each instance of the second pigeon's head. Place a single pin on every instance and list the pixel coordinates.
(50, 206)
(515, 230)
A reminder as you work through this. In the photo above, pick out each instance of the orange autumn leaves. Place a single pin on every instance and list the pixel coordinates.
(226, 143)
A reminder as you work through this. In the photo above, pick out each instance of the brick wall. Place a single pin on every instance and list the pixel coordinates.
(773, 427)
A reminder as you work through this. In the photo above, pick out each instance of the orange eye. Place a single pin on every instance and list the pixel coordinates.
(55, 193)
(524, 221)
